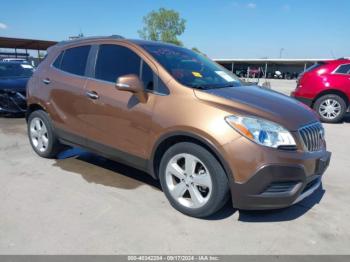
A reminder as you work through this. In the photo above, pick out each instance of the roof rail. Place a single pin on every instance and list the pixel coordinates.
(89, 38)
(117, 36)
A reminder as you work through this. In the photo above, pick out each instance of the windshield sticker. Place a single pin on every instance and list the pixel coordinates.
(225, 76)
(197, 74)
(26, 66)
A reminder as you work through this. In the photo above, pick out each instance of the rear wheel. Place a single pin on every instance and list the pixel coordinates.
(330, 108)
(193, 180)
(41, 135)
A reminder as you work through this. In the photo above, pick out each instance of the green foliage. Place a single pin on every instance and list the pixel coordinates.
(163, 25)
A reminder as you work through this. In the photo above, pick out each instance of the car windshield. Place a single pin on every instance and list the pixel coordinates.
(190, 68)
(15, 70)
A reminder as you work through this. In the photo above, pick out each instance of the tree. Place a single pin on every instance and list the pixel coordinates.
(163, 25)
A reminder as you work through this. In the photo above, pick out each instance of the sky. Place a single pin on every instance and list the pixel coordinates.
(218, 28)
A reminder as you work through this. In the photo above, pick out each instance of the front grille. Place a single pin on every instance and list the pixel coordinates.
(312, 136)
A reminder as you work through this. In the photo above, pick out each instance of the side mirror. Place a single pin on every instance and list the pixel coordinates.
(133, 84)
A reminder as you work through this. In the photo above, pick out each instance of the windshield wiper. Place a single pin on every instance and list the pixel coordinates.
(221, 86)
(208, 87)
(199, 87)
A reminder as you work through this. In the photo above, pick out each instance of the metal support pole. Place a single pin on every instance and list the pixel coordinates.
(265, 73)
(281, 51)
(16, 52)
(27, 54)
(304, 67)
(39, 56)
(232, 66)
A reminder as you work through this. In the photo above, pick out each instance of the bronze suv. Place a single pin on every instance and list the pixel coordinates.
(180, 117)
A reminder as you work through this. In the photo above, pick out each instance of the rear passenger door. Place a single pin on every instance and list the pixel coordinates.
(116, 119)
(67, 82)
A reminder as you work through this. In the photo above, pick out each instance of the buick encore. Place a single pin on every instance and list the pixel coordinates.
(180, 117)
(325, 87)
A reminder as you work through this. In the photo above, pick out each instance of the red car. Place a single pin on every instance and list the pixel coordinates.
(325, 87)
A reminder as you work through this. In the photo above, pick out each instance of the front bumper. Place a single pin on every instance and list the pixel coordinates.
(276, 186)
(12, 102)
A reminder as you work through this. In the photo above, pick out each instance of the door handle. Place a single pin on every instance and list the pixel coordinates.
(92, 95)
(46, 81)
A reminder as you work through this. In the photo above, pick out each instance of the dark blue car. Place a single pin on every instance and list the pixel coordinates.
(13, 80)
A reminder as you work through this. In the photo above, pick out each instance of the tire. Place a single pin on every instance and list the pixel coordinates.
(336, 105)
(207, 171)
(50, 144)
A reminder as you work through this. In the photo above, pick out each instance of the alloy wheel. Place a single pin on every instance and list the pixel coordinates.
(39, 135)
(330, 109)
(188, 180)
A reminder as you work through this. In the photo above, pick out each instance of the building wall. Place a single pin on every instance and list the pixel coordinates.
(290, 71)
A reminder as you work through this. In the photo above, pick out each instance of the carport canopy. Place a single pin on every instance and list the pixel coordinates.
(19, 43)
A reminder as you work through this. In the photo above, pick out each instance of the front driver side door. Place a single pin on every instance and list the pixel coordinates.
(118, 122)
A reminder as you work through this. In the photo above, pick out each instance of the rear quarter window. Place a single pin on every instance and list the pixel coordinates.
(315, 66)
(58, 61)
(343, 69)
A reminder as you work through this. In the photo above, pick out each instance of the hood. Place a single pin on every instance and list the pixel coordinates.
(260, 102)
(14, 84)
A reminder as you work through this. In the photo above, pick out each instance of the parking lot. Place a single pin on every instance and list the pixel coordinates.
(85, 204)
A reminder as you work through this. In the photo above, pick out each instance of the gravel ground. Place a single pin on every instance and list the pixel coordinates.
(85, 204)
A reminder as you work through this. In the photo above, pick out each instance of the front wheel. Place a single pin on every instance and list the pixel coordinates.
(193, 180)
(330, 108)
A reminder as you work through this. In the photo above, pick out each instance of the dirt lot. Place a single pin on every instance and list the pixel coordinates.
(84, 204)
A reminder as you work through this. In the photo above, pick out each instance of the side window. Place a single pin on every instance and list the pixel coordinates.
(58, 60)
(151, 81)
(74, 60)
(162, 88)
(343, 69)
(114, 61)
(147, 76)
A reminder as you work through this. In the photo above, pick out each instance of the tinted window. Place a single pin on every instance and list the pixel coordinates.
(315, 66)
(74, 60)
(161, 87)
(344, 69)
(147, 76)
(15, 70)
(114, 61)
(58, 60)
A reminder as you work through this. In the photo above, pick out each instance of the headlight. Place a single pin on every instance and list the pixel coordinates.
(261, 131)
